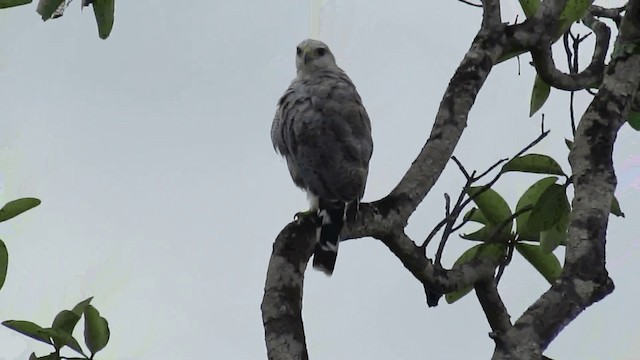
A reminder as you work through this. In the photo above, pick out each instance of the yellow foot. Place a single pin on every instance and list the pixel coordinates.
(302, 216)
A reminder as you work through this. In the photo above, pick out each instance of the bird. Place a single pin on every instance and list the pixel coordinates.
(323, 131)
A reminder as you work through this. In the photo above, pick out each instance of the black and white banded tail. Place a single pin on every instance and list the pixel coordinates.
(332, 216)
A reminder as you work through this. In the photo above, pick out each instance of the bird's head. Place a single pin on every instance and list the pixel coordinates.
(312, 55)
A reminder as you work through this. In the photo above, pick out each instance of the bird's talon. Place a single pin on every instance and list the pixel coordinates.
(304, 215)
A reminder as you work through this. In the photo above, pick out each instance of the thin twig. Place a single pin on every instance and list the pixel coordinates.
(465, 220)
(470, 3)
(452, 214)
(461, 167)
(447, 205)
(450, 217)
(449, 221)
(433, 233)
(491, 168)
(506, 222)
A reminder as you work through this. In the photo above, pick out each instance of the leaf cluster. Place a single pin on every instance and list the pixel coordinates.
(541, 219)
(60, 334)
(53, 9)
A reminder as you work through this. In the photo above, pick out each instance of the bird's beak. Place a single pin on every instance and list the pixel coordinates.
(306, 55)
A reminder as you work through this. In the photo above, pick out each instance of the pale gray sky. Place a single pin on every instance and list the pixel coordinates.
(162, 194)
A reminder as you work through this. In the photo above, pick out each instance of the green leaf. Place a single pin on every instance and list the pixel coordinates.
(529, 198)
(539, 95)
(457, 295)
(46, 8)
(79, 308)
(465, 257)
(572, 12)
(533, 163)
(28, 328)
(530, 7)
(492, 205)
(96, 330)
(63, 338)
(546, 264)
(103, 10)
(4, 263)
(556, 235)
(17, 207)
(12, 3)
(65, 321)
(549, 208)
(475, 215)
(494, 251)
(53, 356)
(485, 235)
(615, 210)
(634, 120)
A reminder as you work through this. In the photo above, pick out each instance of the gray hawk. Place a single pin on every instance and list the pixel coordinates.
(324, 133)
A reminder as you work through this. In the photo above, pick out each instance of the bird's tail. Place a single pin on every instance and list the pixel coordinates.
(332, 215)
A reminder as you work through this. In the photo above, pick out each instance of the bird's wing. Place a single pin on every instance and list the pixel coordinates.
(330, 139)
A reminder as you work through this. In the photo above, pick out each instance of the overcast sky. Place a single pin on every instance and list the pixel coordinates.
(162, 194)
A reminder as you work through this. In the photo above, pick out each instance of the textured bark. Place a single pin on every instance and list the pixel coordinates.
(589, 77)
(584, 279)
(385, 219)
(282, 302)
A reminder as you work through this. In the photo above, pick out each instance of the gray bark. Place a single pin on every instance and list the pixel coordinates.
(584, 279)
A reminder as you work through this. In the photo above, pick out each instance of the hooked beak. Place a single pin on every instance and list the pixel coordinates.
(306, 56)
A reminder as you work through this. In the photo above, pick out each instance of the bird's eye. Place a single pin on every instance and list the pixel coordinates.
(298, 51)
(321, 51)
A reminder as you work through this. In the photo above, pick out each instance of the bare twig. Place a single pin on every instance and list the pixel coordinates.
(461, 167)
(470, 3)
(449, 221)
(491, 168)
(465, 220)
(511, 246)
(447, 205)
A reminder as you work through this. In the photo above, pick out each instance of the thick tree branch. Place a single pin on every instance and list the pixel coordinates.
(614, 14)
(438, 281)
(592, 75)
(492, 16)
(385, 219)
(451, 120)
(539, 29)
(282, 301)
(585, 279)
(493, 307)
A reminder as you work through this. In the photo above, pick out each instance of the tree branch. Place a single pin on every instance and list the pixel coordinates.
(585, 279)
(493, 307)
(450, 121)
(614, 14)
(436, 280)
(385, 219)
(282, 302)
(470, 3)
(592, 75)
